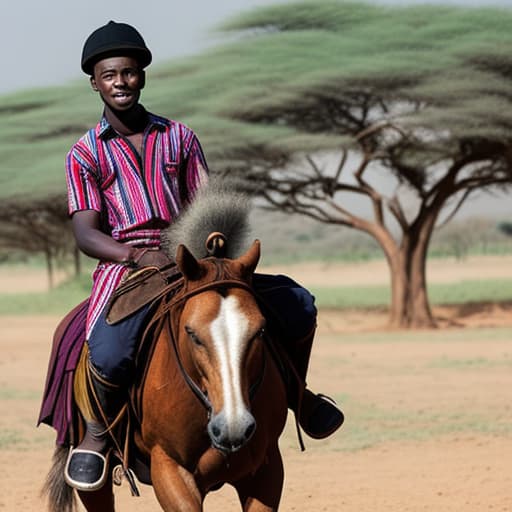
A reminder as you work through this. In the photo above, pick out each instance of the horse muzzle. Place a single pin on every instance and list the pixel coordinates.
(230, 436)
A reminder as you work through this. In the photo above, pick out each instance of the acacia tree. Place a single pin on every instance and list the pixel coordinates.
(438, 126)
(39, 227)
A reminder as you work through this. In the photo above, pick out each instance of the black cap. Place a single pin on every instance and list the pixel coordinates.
(114, 39)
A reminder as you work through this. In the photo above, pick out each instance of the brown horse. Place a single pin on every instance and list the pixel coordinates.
(213, 403)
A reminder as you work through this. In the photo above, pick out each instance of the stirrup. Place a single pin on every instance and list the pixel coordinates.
(323, 417)
(86, 470)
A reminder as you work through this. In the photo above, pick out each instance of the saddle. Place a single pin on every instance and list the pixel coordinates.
(142, 287)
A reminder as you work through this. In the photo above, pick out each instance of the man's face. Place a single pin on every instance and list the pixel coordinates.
(119, 81)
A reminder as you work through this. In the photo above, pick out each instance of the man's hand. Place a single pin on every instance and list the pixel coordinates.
(144, 257)
(93, 242)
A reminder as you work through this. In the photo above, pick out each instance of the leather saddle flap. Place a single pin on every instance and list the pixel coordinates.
(140, 288)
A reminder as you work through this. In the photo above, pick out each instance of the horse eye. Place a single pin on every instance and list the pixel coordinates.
(259, 334)
(193, 336)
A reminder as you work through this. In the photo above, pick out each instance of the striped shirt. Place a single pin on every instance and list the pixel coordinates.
(135, 195)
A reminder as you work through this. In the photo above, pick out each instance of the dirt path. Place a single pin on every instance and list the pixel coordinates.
(429, 423)
(429, 414)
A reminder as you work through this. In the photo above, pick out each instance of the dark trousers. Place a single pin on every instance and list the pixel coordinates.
(288, 307)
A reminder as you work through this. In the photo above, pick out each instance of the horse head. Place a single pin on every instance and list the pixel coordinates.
(220, 332)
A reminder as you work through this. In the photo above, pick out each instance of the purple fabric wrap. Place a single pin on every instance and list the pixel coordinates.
(68, 340)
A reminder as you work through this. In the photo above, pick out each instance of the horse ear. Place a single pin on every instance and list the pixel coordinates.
(250, 259)
(187, 264)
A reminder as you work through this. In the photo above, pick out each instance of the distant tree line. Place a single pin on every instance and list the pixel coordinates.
(38, 227)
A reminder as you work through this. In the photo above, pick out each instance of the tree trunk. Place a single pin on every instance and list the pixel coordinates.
(399, 311)
(409, 299)
(49, 269)
(410, 306)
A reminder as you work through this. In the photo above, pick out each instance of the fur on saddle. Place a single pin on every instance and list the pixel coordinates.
(217, 215)
(216, 209)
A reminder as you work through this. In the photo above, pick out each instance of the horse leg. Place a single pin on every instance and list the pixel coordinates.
(174, 486)
(261, 492)
(102, 499)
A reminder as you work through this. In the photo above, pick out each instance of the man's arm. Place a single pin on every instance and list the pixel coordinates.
(93, 242)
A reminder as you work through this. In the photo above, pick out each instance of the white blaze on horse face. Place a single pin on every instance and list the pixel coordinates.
(229, 331)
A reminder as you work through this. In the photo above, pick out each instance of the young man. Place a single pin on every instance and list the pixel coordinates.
(128, 179)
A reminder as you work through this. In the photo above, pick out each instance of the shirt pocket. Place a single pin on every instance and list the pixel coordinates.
(171, 168)
(171, 172)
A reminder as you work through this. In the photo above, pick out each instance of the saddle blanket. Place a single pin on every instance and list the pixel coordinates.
(69, 338)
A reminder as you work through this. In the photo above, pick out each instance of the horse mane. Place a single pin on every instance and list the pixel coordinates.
(217, 206)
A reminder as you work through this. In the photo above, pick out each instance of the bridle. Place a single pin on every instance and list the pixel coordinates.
(173, 309)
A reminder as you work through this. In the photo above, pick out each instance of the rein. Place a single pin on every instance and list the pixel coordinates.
(180, 300)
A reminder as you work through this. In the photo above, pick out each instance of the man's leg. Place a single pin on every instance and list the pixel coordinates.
(291, 314)
(111, 352)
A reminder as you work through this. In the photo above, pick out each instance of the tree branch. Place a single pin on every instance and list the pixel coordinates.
(396, 209)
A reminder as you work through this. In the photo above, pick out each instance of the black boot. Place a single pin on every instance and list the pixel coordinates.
(87, 464)
(317, 414)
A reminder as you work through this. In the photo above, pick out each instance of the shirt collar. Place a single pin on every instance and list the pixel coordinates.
(104, 128)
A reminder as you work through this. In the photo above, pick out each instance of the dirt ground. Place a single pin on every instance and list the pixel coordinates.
(428, 414)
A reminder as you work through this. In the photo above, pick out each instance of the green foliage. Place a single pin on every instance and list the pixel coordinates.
(57, 301)
(506, 228)
(351, 297)
(451, 57)
(293, 239)
(470, 237)
(9, 438)
(18, 394)
(354, 40)
(37, 130)
(372, 425)
(61, 299)
(326, 15)
(471, 363)
(464, 292)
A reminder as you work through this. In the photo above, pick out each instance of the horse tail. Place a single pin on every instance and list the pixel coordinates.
(60, 495)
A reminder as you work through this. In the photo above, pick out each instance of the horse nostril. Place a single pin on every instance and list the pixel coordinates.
(249, 430)
(215, 431)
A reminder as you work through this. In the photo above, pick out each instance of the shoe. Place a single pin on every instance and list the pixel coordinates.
(320, 417)
(87, 464)
(86, 470)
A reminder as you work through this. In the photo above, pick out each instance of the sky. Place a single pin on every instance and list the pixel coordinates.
(41, 41)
